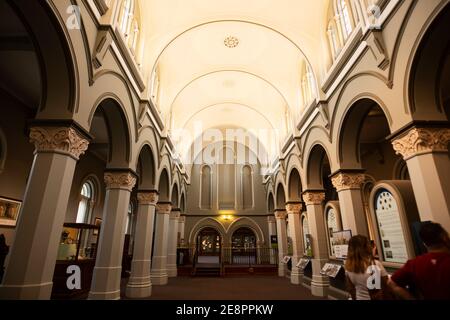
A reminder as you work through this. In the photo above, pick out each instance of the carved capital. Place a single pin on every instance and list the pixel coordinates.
(280, 215)
(148, 198)
(314, 197)
(294, 208)
(120, 180)
(175, 215)
(65, 140)
(164, 208)
(421, 141)
(347, 181)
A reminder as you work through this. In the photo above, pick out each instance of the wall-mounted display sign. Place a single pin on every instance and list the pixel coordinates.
(390, 228)
(331, 270)
(303, 263)
(340, 242)
(286, 259)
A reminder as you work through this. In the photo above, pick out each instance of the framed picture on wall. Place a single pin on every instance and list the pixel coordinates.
(97, 223)
(9, 212)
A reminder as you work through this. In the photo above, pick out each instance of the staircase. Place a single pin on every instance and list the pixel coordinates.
(207, 270)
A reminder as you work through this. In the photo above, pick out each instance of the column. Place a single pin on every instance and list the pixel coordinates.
(425, 151)
(181, 226)
(108, 266)
(348, 185)
(140, 285)
(294, 210)
(280, 216)
(159, 274)
(272, 232)
(29, 274)
(314, 206)
(172, 243)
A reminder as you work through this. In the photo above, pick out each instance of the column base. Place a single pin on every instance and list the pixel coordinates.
(160, 278)
(41, 291)
(320, 286)
(139, 288)
(115, 295)
(296, 276)
(172, 271)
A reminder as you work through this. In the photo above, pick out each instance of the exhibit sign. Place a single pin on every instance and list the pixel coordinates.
(286, 259)
(340, 242)
(331, 270)
(390, 228)
(303, 263)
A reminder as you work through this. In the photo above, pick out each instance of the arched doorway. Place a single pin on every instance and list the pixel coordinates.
(243, 246)
(209, 246)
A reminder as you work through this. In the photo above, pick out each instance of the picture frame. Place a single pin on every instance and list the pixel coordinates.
(97, 223)
(9, 211)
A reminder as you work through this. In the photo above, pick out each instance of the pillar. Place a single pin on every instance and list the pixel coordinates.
(272, 232)
(294, 210)
(108, 265)
(349, 187)
(181, 227)
(425, 151)
(159, 274)
(314, 206)
(139, 284)
(172, 243)
(29, 274)
(280, 216)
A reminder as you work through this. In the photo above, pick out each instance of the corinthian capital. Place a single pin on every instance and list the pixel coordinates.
(120, 180)
(421, 141)
(294, 208)
(147, 197)
(280, 215)
(164, 208)
(314, 197)
(347, 181)
(65, 140)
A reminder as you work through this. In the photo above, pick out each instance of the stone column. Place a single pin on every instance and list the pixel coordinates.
(425, 150)
(29, 274)
(172, 243)
(108, 266)
(294, 210)
(159, 274)
(314, 205)
(181, 226)
(280, 216)
(140, 285)
(348, 185)
(272, 232)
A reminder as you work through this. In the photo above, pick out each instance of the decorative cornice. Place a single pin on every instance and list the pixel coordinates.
(120, 180)
(280, 215)
(148, 198)
(314, 197)
(65, 140)
(419, 141)
(164, 208)
(347, 181)
(294, 208)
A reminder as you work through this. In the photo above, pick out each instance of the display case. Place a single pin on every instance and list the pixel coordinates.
(78, 247)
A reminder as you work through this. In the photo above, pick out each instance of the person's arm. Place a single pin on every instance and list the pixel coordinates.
(350, 288)
(401, 292)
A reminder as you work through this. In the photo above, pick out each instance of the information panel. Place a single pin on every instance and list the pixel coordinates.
(390, 228)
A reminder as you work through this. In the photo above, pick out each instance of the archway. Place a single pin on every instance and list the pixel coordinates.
(319, 171)
(281, 197)
(295, 186)
(243, 246)
(209, 246)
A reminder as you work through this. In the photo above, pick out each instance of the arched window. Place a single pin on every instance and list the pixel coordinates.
(333, 225)
(129, 25)
(86, 202)
(306, 235)
(333, 39)
(205, 188)
(130, 227)
(308, 85)
(247, 187)
(344, 13)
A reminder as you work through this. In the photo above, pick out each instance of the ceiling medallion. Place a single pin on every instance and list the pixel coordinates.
(231, 42)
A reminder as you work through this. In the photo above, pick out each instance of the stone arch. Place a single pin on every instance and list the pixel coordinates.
(174, 195)
(146, 168)
(164, 185)
(280, 202)
(271, 203)
(314, 166)
(245, 222)
(204, 223)
(294, 185)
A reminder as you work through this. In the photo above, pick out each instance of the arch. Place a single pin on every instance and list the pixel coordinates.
(350, 128)
(55, 55)
(271, 203)
(111, 114)
(206, 187)
(164, 186)
(204, 223)
(175, 196)
(246, 222)
(280, 197)
(182, 202)
(146, 168)
(294, 185)
(314, 167)
(88, 196)
(248, 196)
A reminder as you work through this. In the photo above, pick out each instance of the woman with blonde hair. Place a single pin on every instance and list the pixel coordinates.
(366, 277)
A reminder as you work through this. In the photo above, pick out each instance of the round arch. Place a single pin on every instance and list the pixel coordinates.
(314, 166)
(146, 168)
(245, 222)
(205, 223)
(294, 185)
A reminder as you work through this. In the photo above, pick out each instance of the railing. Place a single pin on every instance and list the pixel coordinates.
(250, 256)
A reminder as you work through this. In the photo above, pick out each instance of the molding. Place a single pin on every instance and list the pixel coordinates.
(147, 197)
(348, 181)
(313, 198)
(120, 180)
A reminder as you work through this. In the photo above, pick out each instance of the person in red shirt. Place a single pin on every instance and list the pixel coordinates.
(428, 276)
